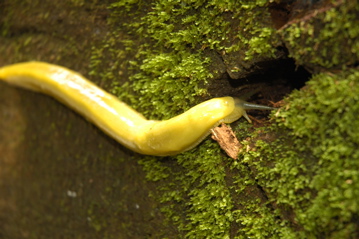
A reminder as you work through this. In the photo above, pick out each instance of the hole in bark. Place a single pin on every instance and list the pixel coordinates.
(271, 84)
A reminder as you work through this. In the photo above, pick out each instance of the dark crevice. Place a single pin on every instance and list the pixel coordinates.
(271, 84)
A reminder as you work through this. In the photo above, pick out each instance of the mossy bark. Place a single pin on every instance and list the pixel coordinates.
(296, 176)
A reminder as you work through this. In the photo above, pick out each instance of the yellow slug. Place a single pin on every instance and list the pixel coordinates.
(120, 121)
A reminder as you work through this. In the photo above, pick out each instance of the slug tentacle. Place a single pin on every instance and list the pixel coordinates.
(250, 106)
(242, 106)
(119, 120)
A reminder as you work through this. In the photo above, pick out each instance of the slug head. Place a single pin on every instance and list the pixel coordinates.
(240, 110)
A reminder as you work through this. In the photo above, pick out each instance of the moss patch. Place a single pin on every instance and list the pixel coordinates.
(168, 66)
(310, 173)
(326, 38)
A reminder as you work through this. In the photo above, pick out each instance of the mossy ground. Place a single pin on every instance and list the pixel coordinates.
(296, 178)
(166, 44)
(325, 38)
(310, 171)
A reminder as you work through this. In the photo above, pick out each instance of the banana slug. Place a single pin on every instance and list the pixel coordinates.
(120, 121)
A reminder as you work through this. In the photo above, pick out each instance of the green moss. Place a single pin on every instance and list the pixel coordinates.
(310, 173)
(168, 73)
(334, 99)
(195, 195)
(328, 39)
(276, 189)
(167, 33)
(300, 185)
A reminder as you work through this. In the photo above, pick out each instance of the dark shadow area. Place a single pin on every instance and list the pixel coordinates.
(271, 84)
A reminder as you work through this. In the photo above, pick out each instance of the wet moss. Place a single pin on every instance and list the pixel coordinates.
(309, 173)
(168, 72)
(326, 38)
(277, 187)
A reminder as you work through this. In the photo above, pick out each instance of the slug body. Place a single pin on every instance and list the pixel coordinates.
(117, 119)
